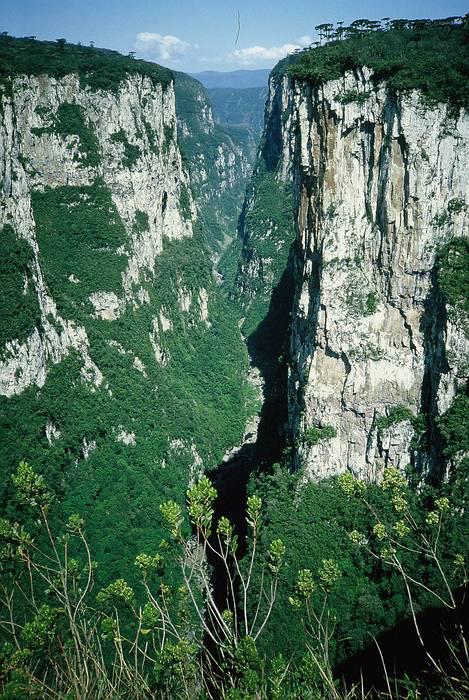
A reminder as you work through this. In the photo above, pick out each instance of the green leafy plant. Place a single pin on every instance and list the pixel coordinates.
(453, 273)
(354, 97)
(457, 205)
(407, 528)
(98, 69)
(121, 645)
(316, 434)
(19, 305)
(396, 414)
(402, 54)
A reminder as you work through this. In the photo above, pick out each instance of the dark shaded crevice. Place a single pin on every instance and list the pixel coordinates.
(268, 351)
(408, 328)
(368, 154)
(348, 369)
(433, 327)
(402, 652)
(381, 210)
(305, 338)
(406, 192)
(271, 147)
(230, 481)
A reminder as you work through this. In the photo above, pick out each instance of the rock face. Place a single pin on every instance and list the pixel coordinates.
(40, 154)
(380, 185)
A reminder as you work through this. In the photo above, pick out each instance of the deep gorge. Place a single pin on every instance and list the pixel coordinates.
(178, 300)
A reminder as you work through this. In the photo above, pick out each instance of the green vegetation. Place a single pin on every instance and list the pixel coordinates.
(197, 400)
(316, 434)
(159, 639)
(456, 205)
(141, 223)
(19, 308)
(453, 278)
(239, 106)
(440, 220)
(396, 414)
(317, 523)
(371, 303)
(268, 232)
(173, 394)
(425, 55)
(99, 69)
(69, 121)
(360, 302)
(131, 152)
(452, 265)
(82, 219)
(354, 97)
(151, 136)
(127, 609)
(454, 427)
(185, 203)
(204, 150)
(366, 351)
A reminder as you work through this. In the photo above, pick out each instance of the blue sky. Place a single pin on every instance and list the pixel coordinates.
(195, 36)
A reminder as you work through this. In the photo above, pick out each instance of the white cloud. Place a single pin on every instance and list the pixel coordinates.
(305, 40)
(256, 54)
(164, 47)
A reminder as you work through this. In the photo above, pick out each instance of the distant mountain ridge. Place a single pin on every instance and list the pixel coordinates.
(236, 79)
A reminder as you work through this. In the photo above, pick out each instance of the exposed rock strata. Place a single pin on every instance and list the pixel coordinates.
(373, 185)
(33, 157)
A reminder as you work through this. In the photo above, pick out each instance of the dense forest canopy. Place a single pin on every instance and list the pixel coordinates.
(428, 55)
(98, 68)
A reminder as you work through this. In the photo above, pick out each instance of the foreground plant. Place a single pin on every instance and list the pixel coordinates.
(172, 637)
(173, 641)
(410, 531)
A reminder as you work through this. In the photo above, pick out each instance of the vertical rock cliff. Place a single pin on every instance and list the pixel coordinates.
(380, 193)
(381, 187)
(104, 155)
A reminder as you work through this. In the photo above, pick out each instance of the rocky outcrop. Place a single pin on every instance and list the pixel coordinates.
(131, 136)
(380, 184)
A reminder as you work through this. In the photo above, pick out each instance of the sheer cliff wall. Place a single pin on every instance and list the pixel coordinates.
(380, 188)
